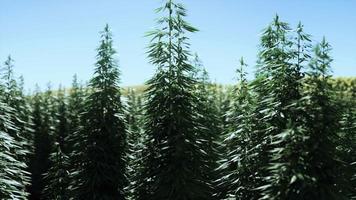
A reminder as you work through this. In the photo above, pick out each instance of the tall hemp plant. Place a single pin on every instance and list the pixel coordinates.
(276, 88)
(57, 176)
(43, 125)
(235, 169)
(14, 177)
(208, 117)
(323, 179)
(286, 154)
(102, 174)
(175, 157)
(76, 102)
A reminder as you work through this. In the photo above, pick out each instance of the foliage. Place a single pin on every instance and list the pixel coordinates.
(174, 154)
(286, 133)
(103, 160)
(57, 176)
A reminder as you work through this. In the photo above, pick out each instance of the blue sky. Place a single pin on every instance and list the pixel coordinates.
(51, 40)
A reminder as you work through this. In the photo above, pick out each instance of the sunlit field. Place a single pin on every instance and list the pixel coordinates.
(280, 125)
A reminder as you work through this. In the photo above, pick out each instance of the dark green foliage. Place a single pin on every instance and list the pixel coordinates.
(43, 131)
(174, 158)
(323, 180)
(57, 177)
(11, 169)
(237, 176)
(103, 166)
(346, 97)
(134, 119)
(208, 118)
(348, 144)
(21, 116)
(76, 100)
(287, 155)
(223, 100)
(275, 87)
(62, 123)
(73, 141)
(287, 134)
(23, 110)
(134, 113)
(15, 127)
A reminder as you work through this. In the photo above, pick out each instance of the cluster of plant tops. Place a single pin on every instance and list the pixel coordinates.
(287, 134)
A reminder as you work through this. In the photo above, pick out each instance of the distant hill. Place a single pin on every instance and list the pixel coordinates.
(342, 84)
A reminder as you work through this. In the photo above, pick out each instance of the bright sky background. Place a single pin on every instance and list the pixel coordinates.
(51, 40)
